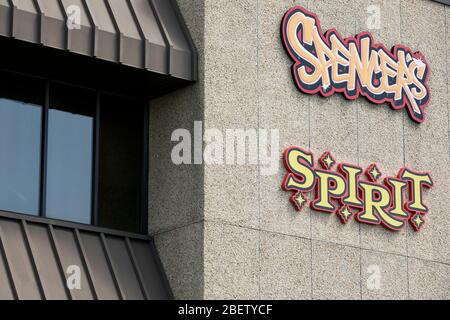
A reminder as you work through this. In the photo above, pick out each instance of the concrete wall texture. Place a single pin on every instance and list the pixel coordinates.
(229, 232)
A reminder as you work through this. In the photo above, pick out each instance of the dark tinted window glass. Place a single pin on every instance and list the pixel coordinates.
(21, 101)
(70, 154)
(121, 154)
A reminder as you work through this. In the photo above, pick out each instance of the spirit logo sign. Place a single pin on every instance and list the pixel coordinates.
(326, 63)
(392, 202)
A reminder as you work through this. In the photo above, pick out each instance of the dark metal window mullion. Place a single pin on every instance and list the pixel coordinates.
(143, 210)
(44, 150)
(96, 162)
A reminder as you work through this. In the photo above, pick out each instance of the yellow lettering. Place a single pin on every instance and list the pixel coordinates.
(352, 173)
(398, 187)
(329, 186)
(417, 181)
(377, 199)
(299, 163)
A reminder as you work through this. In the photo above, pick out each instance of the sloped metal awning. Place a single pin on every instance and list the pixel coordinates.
(144, 34)
(39, 258)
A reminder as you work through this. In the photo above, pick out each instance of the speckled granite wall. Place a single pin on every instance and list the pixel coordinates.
(230, 232)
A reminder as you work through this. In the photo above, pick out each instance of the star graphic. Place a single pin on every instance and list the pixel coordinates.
(345, 214)
(325, 87)
(299, 200)
(373, 173)
(327, 160)
(417, 222)
(419, 62)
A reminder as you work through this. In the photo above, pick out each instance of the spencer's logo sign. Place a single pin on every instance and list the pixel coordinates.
(326, 63)
(342, 189)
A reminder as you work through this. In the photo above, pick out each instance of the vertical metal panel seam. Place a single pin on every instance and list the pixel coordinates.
(84, 259)
(31, 254)
(95, 28)
(67, 32)
(112, 267)
(41, 20)
(141, 33)
(56, 250)
(7, 266)
(165, 35)
(188, 37)
(10, 18)
(13, 17)
(137, 270)
(120, 45)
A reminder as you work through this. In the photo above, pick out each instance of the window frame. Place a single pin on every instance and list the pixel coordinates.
(143, 187)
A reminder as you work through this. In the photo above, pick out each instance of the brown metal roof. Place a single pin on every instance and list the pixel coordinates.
(146, 34)
(36, 253)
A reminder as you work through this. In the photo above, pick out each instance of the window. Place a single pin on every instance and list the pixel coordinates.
(72, 154)
(21, 105)
(121, 167)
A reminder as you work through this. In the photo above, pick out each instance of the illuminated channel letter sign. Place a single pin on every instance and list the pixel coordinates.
(342, 189)
(326, 63)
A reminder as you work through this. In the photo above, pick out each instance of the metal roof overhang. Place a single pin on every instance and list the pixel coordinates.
(148, 35)
(40, 257)
(446, 2)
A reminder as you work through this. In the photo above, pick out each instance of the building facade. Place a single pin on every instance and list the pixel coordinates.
(227, 149)
(230, 231)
